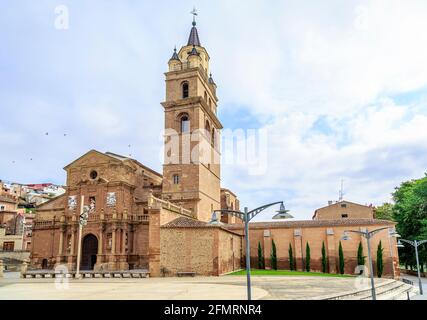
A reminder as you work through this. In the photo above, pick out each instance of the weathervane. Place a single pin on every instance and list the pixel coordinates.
(194, 13)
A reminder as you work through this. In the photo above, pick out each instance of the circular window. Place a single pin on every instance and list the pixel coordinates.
(93, 174)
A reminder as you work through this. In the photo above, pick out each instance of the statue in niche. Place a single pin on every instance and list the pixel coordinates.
(92, 203)
(72, 202)
(111, 199)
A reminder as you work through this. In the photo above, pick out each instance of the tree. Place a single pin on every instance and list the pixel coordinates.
(324, 258)
(341, 259)
(360, 256)
(273, 255)
(380, 265)
(261, 264)
(307, 257)
(291, 259)
(384, 212)
(410, 213)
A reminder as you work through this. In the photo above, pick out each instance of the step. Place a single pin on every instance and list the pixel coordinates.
(399, 294)
(384, 291)
(355, 294)
(366, 293)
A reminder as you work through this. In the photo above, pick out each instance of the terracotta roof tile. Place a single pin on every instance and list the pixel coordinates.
(185, 222)
(311, 223)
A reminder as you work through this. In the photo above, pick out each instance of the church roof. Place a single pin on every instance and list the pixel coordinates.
(193, 39)
(175, 55)
(312, 223)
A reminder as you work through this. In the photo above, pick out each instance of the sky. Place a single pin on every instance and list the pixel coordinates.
(338, 88)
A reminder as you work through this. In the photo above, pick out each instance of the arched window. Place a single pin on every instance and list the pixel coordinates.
(185, 123)
(175, 179)
(185, 90)
(206, 97)
(208, 129)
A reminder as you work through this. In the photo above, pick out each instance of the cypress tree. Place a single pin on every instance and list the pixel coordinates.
(360, 257)
(341, 259)
(260, 257)
(380, 265)
(291, 259)
(273, 255)
(307, 257)
(324, 258)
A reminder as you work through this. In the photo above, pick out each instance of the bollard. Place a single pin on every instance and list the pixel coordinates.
(1, 268)
(407, 294)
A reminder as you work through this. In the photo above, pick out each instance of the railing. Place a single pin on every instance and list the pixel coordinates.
(41, 224)
(169, 206)
(44, 223)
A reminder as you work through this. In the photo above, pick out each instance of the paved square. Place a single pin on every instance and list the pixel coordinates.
(212, 288)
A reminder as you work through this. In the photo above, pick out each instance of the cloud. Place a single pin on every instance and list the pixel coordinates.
(340, 86)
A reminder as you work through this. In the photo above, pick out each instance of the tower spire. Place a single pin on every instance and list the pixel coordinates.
(193, 39)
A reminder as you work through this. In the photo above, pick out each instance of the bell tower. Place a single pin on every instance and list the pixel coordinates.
(191, 169)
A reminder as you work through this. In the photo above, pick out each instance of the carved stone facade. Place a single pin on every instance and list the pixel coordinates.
(116, 189)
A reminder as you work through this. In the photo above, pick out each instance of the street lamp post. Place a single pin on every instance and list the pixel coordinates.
(247, 216)
(84, 214)
(415, 244)
(368, 235)
(23, 232)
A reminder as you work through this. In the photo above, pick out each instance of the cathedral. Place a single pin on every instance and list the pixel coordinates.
(131, 205)
(142, 219)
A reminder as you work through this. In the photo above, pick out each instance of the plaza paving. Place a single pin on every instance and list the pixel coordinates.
(212, 288)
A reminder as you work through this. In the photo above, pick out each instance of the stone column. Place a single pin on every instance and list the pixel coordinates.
(100, 242)
(154, 242)
(134, 240)
(61, 242)
(123, 241)
(113, 240)
(73, 240)
(1, 268)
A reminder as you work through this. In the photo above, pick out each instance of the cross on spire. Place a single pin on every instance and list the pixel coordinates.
(193, 39)
(194, 13)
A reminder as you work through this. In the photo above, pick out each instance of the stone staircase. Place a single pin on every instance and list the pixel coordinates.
(388, 290)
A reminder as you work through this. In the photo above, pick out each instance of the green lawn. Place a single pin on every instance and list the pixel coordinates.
(258, 272)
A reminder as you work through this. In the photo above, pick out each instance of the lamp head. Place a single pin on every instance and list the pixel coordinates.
(393, 233)
(282, 213)
(214, 219)
(345, 236)
(400, 244)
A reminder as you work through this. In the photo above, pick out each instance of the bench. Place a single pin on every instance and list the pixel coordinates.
(137, 273)
(46, 274)
(185, 273)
